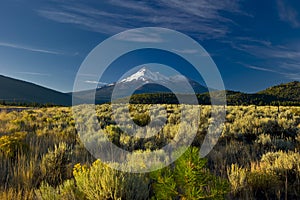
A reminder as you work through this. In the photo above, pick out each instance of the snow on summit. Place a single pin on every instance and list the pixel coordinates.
(145, 74)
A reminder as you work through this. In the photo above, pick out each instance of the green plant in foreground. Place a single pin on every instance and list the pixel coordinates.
(237, 178)
(102, 182)
(11, 144)
(188, 178)
(66, 191)
(54, 166)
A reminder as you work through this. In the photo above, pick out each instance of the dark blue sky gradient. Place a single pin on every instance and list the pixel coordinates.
(255, 44)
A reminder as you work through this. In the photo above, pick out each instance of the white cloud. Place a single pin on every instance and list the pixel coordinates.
(266, 49)
(85, 21)
(88, 75)
(287, 74)
(269, 51)
(186, 51)
(260, 68)
(202, 19)
(283, 59)
(292, 76)
(34, 73)
(288, 14)
(95, 82)
(17, 46)
(140, 36)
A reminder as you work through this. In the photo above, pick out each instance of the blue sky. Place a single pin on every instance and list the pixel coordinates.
(255, 44)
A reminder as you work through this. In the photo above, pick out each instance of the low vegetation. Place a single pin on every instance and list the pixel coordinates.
(256, 157)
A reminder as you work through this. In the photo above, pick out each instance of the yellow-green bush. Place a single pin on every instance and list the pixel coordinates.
(102, 182)
(11, 144)
(263, 141)
(55, 164)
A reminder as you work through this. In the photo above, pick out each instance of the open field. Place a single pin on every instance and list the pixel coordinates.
(256, 157)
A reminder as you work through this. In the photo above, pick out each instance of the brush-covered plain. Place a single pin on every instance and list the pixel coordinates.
(256, 157)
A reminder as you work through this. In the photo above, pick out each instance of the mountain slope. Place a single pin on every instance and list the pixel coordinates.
(149, 89)
(13, 90)
(145, 81)
(284, 94)
(287, 91)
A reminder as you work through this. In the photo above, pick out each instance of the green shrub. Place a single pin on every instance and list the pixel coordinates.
(237, 178)
(10, 145)
(188, 178)
(46, 192)
(66, 191)
(263, 185)
(141, 119)
(102, 182)
(55, 164)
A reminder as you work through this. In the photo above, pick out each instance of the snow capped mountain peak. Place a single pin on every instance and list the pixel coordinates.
(147, 81)
(144, 74)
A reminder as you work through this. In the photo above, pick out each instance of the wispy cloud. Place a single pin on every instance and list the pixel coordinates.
(88, 75)
(288, 14)
(202, 18)
(28, 48)
(140, 36)
(280, 59)
(85, 20)
(34, 73)
(186, 51)
(286, 73)
(292, 76)
(268, 51)
(260, 68)
(95, 82)
(253, 40)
